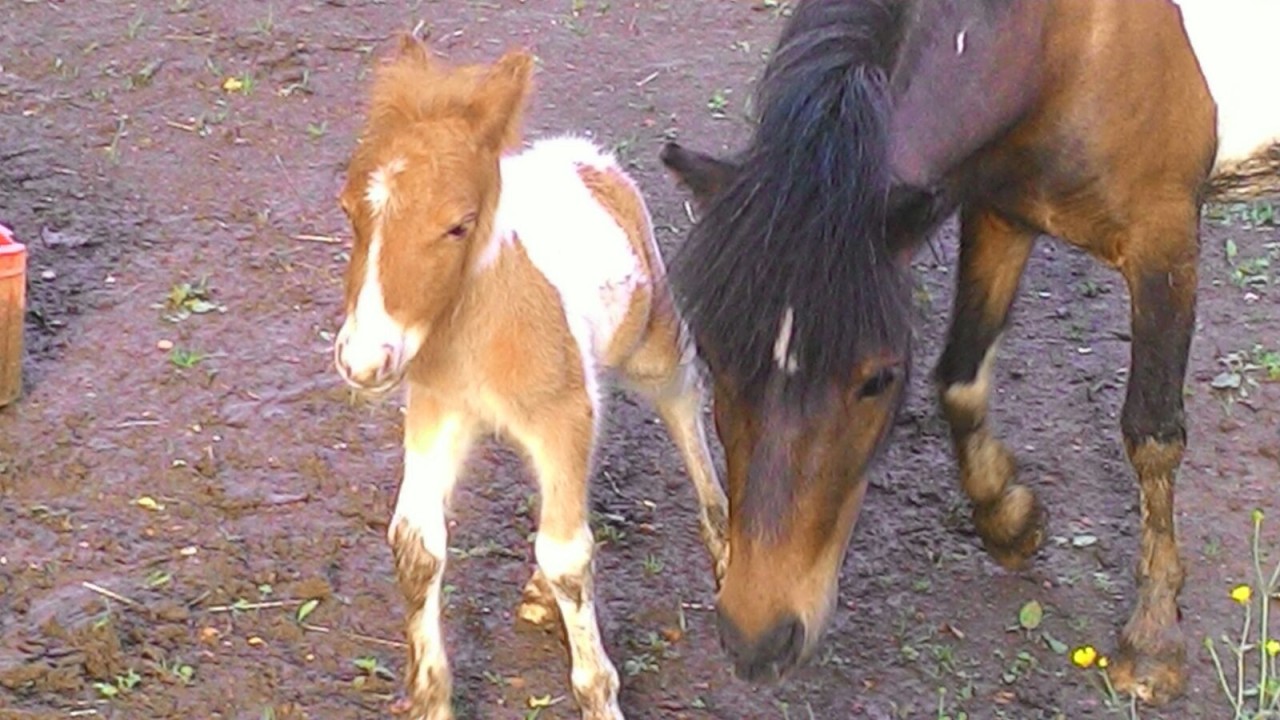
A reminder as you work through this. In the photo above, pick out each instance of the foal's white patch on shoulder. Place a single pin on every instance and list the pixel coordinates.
(1233, 42)
(378, 193)
(574, 241)
(782, 355)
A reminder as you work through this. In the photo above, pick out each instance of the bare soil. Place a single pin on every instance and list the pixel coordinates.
(167, 512)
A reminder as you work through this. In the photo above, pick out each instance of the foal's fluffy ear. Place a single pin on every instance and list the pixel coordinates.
(498, 108)
(411, 46)
(705, 176)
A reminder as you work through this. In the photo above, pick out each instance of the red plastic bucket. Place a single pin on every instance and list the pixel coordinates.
(13, 302)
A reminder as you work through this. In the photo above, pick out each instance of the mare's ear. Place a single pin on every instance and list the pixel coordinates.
(705, 176)
(497, 109)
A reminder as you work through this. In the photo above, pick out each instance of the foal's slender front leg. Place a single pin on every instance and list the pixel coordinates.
(993, 252)
(435, 446)
(559, 443)
(1152, 659)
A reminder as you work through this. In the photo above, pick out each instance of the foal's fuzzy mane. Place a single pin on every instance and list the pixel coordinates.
(799, 232)
(411, 86)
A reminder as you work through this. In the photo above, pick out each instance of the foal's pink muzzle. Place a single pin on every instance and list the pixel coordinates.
(372, 364)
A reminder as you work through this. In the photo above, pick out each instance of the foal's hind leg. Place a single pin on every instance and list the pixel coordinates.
(993, 252)
(1162, 286)
(663, 369)
(559, 442)
(435, 446)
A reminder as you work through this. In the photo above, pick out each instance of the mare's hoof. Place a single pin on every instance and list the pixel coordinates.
(1153, 679)
(1157, 674)
(1012, 528)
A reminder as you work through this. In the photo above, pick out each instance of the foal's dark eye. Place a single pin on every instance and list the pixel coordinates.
(457, 232)
(878, 383)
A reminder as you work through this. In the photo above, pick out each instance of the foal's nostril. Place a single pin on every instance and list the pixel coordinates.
(389, 360)
(338, 360)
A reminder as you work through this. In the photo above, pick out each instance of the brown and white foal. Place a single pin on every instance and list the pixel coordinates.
(504, 287)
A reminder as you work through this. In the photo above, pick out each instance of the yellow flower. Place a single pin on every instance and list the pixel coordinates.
(1241, 594)
(1272, 647)
(1103, 662)
(233, 84)
(1084, 656)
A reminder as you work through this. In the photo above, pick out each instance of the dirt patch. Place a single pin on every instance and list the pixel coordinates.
(76, 230)
(195, 510)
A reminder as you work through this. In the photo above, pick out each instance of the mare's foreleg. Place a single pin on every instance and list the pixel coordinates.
(993, 253)
(1162, 285)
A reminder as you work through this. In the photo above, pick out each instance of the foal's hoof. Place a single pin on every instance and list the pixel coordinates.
(718, 547)
(402, 705)
(1012, 527)
(537, 603)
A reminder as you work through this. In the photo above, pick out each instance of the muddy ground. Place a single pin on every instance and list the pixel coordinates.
(179, 484)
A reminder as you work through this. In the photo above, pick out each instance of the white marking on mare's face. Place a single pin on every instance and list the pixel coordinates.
(960, 42)
(782, 355)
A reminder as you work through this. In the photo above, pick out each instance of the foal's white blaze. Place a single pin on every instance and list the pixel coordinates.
(371, 341)
(1234, 41)
(378, 192)
(782, 355)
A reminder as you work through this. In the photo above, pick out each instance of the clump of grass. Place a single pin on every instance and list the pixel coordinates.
(1255, 692)
(1253, 688)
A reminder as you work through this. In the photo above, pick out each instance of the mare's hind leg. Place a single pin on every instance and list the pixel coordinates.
(1152, 658)
(993, 252)
(663, 369)
(559, 441)
(435, 446)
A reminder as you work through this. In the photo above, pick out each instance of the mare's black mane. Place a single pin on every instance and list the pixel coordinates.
(800, 231)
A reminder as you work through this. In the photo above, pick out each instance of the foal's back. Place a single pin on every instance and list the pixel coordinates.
(584, 225)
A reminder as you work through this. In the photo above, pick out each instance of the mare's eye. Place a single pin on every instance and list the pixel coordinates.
(457, 232)
(878, 383)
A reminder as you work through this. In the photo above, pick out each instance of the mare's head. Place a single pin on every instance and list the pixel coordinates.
(421, 191)
(807, 381)
(793, 284)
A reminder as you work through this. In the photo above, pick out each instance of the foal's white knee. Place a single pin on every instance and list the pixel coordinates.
(565, 558)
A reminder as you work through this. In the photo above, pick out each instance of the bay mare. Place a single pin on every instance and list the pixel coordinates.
(1099, 122)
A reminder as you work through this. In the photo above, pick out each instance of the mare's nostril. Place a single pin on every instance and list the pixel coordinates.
(770, 656)
(787, 640)
(731, 641)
